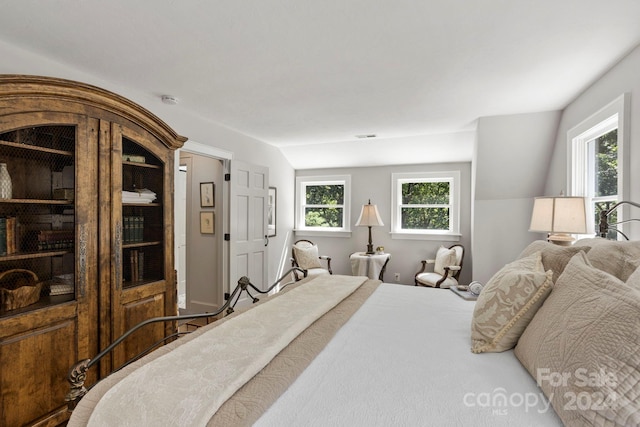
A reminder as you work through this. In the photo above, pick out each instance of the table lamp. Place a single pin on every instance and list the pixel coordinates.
(559, 217)
(369, 217)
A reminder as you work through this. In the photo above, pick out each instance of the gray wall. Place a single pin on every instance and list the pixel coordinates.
(375, 183)
(622, 78)
(510, 163)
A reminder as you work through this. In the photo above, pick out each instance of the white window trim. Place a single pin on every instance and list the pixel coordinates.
(303, 181)
(452, 235)
(615, 114)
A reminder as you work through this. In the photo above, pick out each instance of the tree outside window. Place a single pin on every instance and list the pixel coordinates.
(322, 203)
(426, 203)
(603, 175)
(597, 159)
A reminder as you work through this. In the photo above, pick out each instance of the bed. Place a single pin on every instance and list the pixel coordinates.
(377, 354)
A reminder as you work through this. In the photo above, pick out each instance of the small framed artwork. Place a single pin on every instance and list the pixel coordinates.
(207, 223)
(207, 195)
(271, 212)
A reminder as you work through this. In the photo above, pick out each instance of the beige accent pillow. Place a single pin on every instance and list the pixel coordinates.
(583, 348)
(618, 258)
(507, 304)
(307, 258)
(554, 257)
(444, 258)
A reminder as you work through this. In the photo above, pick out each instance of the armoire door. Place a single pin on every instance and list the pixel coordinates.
(142, 282)
(47, 241)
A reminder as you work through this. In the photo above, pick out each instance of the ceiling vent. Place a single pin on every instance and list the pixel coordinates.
(367, 136)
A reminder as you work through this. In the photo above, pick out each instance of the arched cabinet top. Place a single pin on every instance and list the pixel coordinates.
(81, 97)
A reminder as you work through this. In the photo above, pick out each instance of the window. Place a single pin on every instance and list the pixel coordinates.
(597, 162)
(323, 204)
(426, 204)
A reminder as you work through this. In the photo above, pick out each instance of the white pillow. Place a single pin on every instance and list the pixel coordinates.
(444, 258)
(307, 258)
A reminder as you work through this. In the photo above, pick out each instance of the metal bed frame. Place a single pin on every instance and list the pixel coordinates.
(78, 373)
(605, 226)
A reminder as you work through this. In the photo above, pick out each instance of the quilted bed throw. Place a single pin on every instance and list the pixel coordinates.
(187, 385)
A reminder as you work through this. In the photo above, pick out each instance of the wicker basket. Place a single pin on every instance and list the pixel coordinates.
(18, 288)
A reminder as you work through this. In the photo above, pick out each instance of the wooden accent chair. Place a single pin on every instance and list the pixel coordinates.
(447, 266)
(304, 254)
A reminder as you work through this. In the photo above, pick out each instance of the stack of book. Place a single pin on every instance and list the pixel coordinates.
(137, 265)
(133, 229)
(55, 239)
(8, 236)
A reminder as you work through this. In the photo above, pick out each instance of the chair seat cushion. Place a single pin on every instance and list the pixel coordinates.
(430, 279)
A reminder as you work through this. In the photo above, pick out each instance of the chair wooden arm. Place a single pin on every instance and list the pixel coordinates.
(424, 265)
(328, 259)
(451, 268)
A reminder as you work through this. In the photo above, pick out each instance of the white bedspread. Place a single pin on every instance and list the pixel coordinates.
(404, 359)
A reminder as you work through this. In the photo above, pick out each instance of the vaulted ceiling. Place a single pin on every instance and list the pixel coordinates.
(309, 75)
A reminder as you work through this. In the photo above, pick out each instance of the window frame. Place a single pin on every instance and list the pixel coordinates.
(304, 181)
(579, 156)
(453, 233)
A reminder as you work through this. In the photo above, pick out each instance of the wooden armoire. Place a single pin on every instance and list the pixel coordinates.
(86, 237)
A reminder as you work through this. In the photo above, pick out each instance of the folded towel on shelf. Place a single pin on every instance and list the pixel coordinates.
(138, 196)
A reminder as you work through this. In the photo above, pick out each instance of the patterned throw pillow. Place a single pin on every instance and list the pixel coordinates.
(507, 304)
(307, 258)
(583, 348)
(444, 258)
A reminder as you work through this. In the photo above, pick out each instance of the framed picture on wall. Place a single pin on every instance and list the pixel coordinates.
(207, 223)
(271, 212)
(207, 195)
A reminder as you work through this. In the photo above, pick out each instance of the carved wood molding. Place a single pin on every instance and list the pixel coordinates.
(38, 87)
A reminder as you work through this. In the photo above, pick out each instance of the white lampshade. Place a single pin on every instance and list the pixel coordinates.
(369, 216)
(559, 216)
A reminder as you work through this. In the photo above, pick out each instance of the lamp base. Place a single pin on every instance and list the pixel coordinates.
(561, 239)
(370, 245)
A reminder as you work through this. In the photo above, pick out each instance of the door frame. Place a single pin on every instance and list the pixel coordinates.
(225, 157)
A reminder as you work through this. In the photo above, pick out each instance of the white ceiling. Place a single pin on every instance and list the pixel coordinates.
(301, 74)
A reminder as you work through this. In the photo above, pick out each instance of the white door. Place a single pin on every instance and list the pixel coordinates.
(249, 188)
